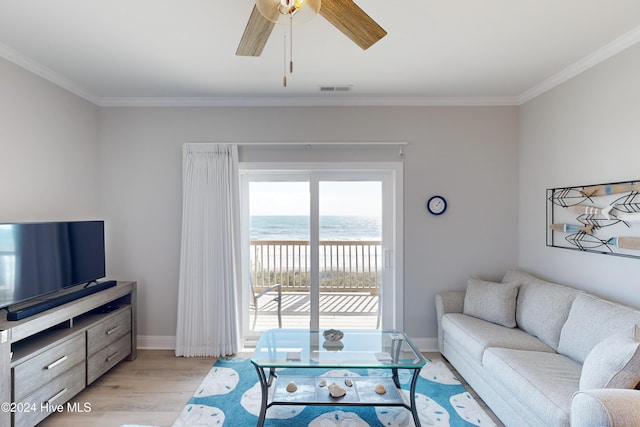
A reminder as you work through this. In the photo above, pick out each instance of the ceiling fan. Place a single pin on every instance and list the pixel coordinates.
(345, 15)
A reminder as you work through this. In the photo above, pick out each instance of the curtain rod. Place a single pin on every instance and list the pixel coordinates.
(310, 144)
(321, 143)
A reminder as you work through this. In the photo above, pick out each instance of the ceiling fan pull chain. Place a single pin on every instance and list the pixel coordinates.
(284, 76)
(291, 44)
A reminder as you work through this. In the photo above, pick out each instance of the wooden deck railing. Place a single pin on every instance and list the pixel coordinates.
(345, 265)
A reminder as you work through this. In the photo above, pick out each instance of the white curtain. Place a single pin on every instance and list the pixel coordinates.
(210, 254)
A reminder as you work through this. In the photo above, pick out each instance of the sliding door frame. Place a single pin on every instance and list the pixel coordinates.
(391, 175)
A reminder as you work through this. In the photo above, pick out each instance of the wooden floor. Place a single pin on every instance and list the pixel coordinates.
(152, 390)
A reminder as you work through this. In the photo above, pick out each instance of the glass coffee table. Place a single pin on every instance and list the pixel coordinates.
(331, 349)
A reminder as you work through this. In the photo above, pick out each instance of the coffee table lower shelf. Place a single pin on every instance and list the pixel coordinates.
(313, 391)
(310, 391)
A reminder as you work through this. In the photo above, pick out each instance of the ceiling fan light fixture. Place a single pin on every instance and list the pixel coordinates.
(281, 11)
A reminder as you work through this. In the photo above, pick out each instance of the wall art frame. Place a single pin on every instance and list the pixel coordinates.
(599, 218)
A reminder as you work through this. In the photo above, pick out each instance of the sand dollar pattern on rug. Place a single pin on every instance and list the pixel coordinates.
(219, 380)
(437, 371)
(429, 412)
(338, 419)
(236, 395)
(200, 416)
(251, 403)
(469, 410)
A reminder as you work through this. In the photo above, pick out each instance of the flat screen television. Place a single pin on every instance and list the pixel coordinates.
(38, 259)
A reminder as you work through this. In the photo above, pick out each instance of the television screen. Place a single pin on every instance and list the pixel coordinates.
(41, 258)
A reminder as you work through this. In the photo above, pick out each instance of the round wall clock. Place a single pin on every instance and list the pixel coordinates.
(437, 205)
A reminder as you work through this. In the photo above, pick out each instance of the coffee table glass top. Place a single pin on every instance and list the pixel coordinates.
(321, 348)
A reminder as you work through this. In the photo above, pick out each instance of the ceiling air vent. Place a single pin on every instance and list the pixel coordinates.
(342, 88)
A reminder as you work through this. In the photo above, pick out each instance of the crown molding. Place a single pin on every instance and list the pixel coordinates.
(28, 64)
(616, 46)
(320, 101)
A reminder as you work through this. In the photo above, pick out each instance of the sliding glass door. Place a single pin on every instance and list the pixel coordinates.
(279, 253)
(349, 253)
(320, 250)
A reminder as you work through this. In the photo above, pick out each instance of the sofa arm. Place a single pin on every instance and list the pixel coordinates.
(447, 302)
(606, 407)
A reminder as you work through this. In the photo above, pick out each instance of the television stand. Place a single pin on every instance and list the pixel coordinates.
(49, 357)
(22, 313)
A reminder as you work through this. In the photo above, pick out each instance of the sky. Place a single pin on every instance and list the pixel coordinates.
(361, 198)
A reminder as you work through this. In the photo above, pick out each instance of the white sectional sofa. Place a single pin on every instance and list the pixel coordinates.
(543, 354)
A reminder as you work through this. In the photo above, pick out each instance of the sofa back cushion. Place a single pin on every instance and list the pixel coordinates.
(591, 320)
(542, 307)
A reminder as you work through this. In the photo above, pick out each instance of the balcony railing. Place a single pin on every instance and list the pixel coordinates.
(345, 265)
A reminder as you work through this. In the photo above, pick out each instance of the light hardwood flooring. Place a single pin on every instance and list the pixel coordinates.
(151, 390)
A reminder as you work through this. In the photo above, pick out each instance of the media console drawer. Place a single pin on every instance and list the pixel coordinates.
(41, 369)
(109, 330)
(107, 358)
(47, 399)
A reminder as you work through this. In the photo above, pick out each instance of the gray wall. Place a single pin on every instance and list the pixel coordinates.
(586, 131)
(48, 150)
(468, 155)
(65, 158)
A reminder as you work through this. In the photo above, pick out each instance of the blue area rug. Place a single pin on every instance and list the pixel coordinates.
(230, 396)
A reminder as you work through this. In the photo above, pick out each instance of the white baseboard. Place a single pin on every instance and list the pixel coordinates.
(426, 345)
(156, 342)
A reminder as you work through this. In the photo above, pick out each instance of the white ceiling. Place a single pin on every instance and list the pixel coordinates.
(182, 52)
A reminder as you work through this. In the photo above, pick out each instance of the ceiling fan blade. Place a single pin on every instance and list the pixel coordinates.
(347, 16)
(255, 35)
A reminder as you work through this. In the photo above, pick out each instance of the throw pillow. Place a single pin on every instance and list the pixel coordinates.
(614, 362)
(493, 302)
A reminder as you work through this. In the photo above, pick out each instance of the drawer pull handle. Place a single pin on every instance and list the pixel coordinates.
(56, 397)
(112, 330)
(56, 363)
(110, 358)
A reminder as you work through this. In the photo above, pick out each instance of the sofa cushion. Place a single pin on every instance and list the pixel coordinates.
(614, 362)
(475, 335)
(590, 321)
(493, 302)
(545, 382)
(542, 307)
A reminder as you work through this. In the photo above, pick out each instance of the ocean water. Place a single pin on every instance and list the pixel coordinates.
(331, 228)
